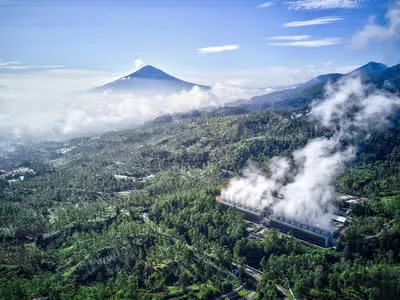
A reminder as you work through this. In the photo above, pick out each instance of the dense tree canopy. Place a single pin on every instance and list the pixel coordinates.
(68, 232)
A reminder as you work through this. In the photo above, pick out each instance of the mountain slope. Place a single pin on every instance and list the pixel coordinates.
(148, 80)
(388, 79)
(372, 73)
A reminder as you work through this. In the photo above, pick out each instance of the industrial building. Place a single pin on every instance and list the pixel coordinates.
(251, 213)
(304, 232)
(313, 235)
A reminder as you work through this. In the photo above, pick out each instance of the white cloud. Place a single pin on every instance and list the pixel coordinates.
(309, 43)
(290, 38)
(216, 49)
(12, 66)
(265, 4)
(323, 4)
(317, 21)
(139, 64)
(390, 32)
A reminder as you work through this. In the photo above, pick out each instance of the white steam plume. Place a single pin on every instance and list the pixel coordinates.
(300, 187)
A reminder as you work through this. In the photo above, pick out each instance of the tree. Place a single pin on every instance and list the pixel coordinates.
(267, 290)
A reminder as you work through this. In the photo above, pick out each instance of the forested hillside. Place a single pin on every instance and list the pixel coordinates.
(132, 214)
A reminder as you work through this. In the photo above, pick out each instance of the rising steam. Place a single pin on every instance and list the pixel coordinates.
(300, 186)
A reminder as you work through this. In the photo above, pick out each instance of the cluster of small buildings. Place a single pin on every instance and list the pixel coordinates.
(65, 150)
(18, 174)
(348, 199)
(266, 219)
(255, 230)
(132, 178)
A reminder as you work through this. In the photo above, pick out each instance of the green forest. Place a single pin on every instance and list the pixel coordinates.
(132, 215)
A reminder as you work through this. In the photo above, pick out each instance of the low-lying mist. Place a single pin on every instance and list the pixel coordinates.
(301, 187)
(49, 114)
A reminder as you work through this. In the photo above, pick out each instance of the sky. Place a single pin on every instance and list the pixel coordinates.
(243, 42)
(53, 52)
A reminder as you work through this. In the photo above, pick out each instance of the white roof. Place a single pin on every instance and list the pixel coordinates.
(339, 218)
(346, 197)
(353, 201)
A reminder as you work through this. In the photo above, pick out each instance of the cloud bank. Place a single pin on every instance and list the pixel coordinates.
(300, 187)
(271, 76)
(35, 105)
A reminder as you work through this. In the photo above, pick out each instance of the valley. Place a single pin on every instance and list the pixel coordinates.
(72, 229)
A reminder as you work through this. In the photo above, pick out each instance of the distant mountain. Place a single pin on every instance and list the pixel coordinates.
(148, 80)
(303, 94)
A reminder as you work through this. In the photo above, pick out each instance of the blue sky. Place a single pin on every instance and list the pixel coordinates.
(103, 39)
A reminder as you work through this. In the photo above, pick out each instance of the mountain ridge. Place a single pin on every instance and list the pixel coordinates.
(303, 94)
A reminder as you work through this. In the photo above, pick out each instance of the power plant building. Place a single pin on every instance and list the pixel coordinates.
(310, 234)
(307, 233)
(252, 214)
